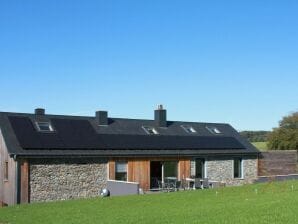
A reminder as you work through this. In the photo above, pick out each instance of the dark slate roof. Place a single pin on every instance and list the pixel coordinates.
(81, 136)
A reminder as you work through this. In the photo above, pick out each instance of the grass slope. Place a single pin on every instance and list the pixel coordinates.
(261, 145)
(260, 203)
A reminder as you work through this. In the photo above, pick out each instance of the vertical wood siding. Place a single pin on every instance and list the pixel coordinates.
(139, 169)
(7, 187)
(184, 168)
(24, 181)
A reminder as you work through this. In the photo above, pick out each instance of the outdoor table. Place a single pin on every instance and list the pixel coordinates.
(189, 181)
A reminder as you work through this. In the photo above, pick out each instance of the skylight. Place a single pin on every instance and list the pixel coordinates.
(189, 129)
(214, 130)
(44, 126)
(150, 130)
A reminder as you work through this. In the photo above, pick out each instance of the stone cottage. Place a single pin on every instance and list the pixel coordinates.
(47, 157)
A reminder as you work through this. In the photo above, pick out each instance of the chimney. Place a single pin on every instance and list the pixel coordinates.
(101, 117)
(39, 111)
(160, 116)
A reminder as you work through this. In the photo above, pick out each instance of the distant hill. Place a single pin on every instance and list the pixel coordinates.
(255, 136)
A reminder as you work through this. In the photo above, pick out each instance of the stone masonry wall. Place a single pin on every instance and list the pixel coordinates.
(63, 179)
(221, 169)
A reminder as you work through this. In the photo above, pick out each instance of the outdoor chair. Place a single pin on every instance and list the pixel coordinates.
(170, 185)
(178, 185)
(161, 185)
(198, 184)
(205, 184)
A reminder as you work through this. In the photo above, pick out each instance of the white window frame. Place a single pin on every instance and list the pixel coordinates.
(241, 166)
(186, 128)
(44, 122)
(204, 167)
(163, 170)
(214, 130)
(121, 161)
(145, 128)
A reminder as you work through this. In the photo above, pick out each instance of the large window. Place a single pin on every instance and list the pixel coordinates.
(238, 168)
(121, 171)
(170, 168)
(197, 168)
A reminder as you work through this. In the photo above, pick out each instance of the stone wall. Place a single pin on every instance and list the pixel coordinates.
(66, 178)
(221, 169)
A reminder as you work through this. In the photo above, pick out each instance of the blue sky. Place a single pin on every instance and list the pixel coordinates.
(217, 61)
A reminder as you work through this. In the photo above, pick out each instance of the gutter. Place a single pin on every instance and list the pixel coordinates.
(28, 156)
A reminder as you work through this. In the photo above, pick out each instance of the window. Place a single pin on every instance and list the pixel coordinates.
(44, 126)
(170, 169)
(214, 130)
(150, 130)
(188, 129)
(121, 171)
(6, 170)
(197, 168)
(238, 168)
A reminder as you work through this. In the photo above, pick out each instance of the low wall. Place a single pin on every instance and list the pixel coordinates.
(264, 179)
(122, 187)
(279, 162)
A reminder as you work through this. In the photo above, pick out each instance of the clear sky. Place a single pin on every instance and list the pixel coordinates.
(216, 61)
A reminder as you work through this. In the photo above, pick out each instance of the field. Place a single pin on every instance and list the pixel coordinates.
(261, 145)
(258, 203)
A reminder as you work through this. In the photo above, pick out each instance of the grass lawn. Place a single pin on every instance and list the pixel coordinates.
(261, 145)
(260, 203)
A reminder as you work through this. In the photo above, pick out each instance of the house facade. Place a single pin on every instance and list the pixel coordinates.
(47, 157)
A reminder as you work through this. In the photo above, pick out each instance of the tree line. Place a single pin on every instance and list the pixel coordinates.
(284, 137)
(255, 136)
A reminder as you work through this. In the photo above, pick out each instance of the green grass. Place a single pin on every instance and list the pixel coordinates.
(259, 203)
(261, 145)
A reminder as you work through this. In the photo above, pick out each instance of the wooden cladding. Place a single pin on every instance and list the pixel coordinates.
(24, 181)
(112, 170)
(277, 163)
(139, 169)
(184, 168)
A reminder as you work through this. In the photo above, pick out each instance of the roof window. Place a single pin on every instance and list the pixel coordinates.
(189, 129)
(44, 126)
(214, 130)
(150, 130)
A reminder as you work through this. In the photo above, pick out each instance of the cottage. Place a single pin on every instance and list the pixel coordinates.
(47, 157)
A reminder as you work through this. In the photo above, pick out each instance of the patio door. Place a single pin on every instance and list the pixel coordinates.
(155, 174)
(159, 170)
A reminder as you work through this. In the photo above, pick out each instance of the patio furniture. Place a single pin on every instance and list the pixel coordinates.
(178, 185)
(214, 184)
(170, 183)
(198, 183)
(205, 183)
(161, 185)
(190, 183)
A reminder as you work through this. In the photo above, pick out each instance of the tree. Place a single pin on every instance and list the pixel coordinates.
(255, 136)
(285, 137)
